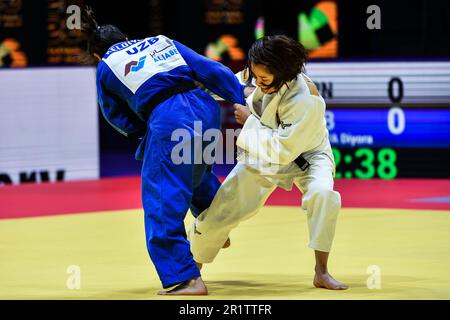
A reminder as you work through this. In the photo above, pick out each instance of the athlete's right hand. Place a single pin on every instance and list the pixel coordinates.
(241, 113)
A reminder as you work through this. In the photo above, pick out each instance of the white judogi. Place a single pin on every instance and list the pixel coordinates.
(282, 126)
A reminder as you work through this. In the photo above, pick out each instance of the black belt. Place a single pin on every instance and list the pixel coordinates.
(302, 163)
(165, 94)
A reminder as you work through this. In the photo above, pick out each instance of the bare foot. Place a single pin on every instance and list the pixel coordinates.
(326, 281)
(193, 287)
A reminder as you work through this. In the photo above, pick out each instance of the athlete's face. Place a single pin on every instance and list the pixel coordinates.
(263, 77)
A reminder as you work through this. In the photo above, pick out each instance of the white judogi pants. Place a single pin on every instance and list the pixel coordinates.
(245, 191)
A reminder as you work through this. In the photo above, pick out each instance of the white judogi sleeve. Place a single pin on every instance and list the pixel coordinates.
(301, 129)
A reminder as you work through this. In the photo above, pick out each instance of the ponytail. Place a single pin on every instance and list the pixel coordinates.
(99, 37)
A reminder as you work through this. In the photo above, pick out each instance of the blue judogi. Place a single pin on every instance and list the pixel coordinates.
(129, 77)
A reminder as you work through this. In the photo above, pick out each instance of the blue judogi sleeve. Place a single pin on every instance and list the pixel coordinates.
(118, 114)
(213, 75)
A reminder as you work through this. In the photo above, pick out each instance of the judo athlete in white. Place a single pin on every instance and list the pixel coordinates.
(285, 119)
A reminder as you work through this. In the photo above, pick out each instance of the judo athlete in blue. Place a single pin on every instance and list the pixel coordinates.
(146, 90)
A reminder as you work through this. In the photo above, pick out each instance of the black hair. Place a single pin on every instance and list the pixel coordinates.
(99, 37)
(283, 56)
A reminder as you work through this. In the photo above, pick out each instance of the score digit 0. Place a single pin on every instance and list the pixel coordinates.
(396, 117)
(396, 120)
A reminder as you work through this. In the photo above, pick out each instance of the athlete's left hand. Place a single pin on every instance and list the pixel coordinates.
(241, 113)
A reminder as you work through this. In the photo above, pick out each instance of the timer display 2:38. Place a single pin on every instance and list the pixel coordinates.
(365, 163)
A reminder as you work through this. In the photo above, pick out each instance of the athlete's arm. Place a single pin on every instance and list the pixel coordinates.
(213, 75)
(118, 114)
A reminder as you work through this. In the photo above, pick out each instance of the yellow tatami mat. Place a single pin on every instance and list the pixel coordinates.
(401, 254)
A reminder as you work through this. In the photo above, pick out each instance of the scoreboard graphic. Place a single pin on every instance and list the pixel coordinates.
(387, 119)
(382, 83)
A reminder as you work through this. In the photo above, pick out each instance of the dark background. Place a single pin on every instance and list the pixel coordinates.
(410, 30)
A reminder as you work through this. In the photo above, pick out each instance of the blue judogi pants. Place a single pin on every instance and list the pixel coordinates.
(169, 189)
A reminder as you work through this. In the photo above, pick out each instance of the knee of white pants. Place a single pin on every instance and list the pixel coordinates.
(331, 196)
(324, 204)
(226, 212)
(323, 197)
(217, 220)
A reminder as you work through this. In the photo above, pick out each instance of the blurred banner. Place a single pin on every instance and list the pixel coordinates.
(49, 125)
(35, 33)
